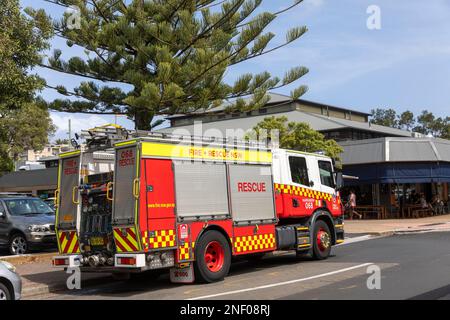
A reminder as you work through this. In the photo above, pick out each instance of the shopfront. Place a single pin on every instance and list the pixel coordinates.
(408, 178)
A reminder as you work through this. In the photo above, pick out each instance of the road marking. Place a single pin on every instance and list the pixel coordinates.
(358, 239)
(283, 283)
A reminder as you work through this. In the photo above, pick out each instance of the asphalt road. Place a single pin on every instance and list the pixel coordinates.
(411, 266)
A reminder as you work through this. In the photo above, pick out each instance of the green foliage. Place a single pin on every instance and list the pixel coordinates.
(23, 124)
(167, 57)
(62, 141)
(426, 123)
(406, 120)
(295, 136)
(26, 127)
(384, 117)
(20, 43)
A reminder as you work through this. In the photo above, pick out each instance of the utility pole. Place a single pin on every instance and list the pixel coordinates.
(70, 130)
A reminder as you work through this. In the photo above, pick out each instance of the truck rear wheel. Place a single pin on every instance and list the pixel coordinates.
(213, 257)
(321, 241)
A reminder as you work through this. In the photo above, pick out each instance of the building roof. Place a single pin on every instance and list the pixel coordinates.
(395, 150)
(30, 179)
(237, 127)
(337, 123)
(274, 99)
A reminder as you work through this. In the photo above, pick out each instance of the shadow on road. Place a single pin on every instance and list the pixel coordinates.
(439, 293)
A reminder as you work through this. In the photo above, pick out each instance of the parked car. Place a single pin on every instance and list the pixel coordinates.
(10, 282)
(26, 223)
(51, 203)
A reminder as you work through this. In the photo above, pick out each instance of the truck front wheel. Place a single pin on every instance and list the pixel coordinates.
(321, 241)
(213, 257)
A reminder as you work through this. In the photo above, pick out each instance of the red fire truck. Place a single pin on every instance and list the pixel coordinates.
(192, 204)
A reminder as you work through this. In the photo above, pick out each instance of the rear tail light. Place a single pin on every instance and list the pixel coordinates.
(61, 262)
(127, 261)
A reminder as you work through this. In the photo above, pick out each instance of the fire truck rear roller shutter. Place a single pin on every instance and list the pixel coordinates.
(69, 176)
(251, 190)
(201, 190)
(124, 179)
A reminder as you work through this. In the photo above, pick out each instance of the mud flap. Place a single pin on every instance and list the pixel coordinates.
(184, 274)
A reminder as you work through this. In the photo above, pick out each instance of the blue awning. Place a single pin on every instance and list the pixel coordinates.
(399, 173)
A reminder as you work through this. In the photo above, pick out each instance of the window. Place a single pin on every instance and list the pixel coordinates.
(22, 207)
(299, 170)
(326, 174)
(262, 111)
(348, 115)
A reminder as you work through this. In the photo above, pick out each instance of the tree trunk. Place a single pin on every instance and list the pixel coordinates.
(143, 120)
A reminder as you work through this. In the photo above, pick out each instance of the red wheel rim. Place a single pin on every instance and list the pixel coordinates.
(214, 256)
(323, 240)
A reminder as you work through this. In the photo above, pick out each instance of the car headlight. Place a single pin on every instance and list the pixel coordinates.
(35, 228)
(9, 266)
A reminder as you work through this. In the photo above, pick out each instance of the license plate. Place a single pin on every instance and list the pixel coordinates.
(182, 275)
(97, 241)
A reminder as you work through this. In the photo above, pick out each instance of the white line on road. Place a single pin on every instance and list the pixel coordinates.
(358, 239)
(283, 283)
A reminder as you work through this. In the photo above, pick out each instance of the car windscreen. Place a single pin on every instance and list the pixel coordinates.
(19, 207)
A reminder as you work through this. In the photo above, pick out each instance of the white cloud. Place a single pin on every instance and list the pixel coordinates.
(315, 3)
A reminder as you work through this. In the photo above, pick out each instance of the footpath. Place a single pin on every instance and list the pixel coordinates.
(396, 226)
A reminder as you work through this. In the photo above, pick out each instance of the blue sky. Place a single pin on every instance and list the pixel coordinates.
(405, 65)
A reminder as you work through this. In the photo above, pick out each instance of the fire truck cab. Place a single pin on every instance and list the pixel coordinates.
(191, 204)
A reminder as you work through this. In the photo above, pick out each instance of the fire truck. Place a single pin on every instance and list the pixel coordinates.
(131, 203)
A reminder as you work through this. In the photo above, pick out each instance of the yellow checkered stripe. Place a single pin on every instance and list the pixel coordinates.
(185, 252)
(303, 192)
(159, 239)
(254, 243)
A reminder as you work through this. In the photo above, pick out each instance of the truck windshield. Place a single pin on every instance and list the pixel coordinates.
(20, 207)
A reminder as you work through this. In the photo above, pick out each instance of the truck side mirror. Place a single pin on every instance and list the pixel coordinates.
(339, 180)
(2, 215)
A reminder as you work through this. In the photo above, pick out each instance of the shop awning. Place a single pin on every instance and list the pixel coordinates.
(426, 172)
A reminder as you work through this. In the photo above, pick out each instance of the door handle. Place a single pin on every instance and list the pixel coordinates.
(136, 188)
(73, 195)
(108, 189)
(56, 198)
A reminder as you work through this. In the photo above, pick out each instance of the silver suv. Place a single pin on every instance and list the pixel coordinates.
(25, 223)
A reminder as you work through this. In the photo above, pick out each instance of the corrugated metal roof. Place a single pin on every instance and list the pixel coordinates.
(318, 122)
(30, 178)
(274, 99)
(343, 123)
(395, 150)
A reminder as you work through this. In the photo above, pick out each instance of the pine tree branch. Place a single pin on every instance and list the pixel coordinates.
(201, 35)
(99, 78)
(74, 94)
(262, 53)
(296, 3)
